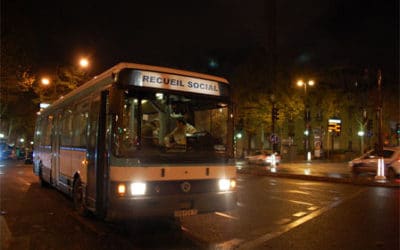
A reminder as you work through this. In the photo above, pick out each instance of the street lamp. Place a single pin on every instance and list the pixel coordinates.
(361, 135)
(45, 81)
(307, 116)
(301, 83)
(84, 62)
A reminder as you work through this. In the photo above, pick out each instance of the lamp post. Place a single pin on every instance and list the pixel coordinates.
(307, 116)
(46, 82)
(361, 135)
(83, 62)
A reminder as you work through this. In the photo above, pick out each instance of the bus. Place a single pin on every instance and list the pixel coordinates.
(109, 144)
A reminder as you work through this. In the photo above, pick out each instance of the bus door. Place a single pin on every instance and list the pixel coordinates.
(55, 150)
(97, 156)
(92, 151)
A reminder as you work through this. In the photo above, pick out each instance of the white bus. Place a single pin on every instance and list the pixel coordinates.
(108, 144)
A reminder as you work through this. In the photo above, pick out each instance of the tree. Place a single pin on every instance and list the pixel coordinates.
(17, 79)
(62, 82)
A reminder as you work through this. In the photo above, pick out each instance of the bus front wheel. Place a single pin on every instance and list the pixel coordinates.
(78, 198)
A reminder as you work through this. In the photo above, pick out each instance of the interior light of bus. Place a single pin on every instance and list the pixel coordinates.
(121, 189)
(224, 184)
(138, 188)
(159, 96)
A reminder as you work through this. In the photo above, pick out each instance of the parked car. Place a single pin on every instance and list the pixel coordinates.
(368, 162)
(5, 151)
(263, 158)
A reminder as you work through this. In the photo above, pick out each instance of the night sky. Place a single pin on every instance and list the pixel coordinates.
(177, 33)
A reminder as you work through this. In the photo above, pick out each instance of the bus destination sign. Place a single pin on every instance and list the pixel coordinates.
(175, 82)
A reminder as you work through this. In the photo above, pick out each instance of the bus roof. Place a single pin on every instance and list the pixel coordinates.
(108, 77)
(124, 65)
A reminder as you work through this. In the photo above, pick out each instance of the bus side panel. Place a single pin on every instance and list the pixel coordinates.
(65, 167)
(45, 159)
(78, 164)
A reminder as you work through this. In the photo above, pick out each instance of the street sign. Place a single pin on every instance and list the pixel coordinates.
(335, 125)
(274, 139)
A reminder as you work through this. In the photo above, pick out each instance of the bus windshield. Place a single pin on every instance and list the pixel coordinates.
(160, 127)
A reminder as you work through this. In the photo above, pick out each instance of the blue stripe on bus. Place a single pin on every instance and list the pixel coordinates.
(67, 148)
(73, 149)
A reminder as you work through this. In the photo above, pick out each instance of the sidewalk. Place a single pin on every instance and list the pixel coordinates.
(317, 171)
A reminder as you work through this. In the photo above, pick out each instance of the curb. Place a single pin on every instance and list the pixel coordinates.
(345, 180)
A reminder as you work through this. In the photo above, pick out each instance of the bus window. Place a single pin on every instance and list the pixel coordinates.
(48, 126)
(126, 132)
(79, 124)
(66, 131)
(149, 127)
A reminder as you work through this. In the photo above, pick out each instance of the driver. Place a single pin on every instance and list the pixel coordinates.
(178, 135)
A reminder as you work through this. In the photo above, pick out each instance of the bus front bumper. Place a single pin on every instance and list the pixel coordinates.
(170, 206)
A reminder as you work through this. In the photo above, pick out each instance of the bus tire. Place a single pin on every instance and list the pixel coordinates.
(43, 183)
(78, 198)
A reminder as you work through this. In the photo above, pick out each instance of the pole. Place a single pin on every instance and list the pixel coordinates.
(380, 176)
(380, 113)
(362, 144)
(273, 128)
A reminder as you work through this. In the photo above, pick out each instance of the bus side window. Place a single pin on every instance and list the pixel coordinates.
(48, 125)
(66, 131)
(80, 121)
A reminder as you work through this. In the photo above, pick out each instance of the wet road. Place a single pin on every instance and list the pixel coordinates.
(272, 213)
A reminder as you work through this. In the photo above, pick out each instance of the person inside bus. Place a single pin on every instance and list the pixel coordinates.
(150, 130)
(178, 135)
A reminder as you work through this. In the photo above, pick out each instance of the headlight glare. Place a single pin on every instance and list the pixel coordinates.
(138, 188)
(224, 184)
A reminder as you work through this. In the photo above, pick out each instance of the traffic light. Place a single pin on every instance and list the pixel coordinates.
(275, 113)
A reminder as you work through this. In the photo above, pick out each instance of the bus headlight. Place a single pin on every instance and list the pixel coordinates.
(121, 189)
(226, 184)
(138, 188)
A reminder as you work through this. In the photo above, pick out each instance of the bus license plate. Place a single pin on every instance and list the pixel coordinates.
(183, 213)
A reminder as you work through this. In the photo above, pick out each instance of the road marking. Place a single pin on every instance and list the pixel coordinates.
(230, 244)
(292, 201)
(254, 244)
(299, 214)
(227, 216)
(312, 208)
(298, 192)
